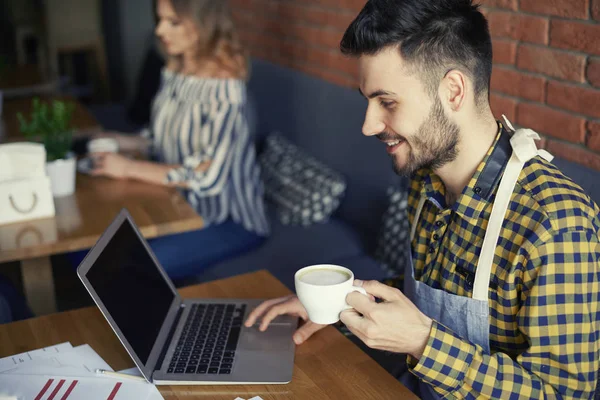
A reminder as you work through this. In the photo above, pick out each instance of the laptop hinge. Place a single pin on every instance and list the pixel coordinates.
(163, 352)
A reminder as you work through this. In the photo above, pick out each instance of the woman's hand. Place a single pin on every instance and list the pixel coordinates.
(288, 305)
(111, 165)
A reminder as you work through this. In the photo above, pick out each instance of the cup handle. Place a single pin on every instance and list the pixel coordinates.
(355, 289)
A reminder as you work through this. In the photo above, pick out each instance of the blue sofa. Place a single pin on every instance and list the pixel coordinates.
(325, 120)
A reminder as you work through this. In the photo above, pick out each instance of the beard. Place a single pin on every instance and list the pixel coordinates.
(433, 145)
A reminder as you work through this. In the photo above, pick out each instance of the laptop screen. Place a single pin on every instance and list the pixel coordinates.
(132, 289)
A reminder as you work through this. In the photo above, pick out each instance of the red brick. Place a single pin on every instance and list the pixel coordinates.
(518, 84)
(297, 12)
(503, 105)
(519, 27)
(594, 136)
(353, 5)
(505, 51)
(322, 37)
(575, 36)
(593, 72)
(558, 64)
(578, 154)
(508, 4)
(574, 98)
(560, 8)
(551, 122)
(596, 9)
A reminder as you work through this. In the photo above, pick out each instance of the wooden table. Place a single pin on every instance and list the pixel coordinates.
(327, 366)
(81, 218)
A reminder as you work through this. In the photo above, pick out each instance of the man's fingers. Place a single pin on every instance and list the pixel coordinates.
(353, 320)
(258, 311)
(381, 290)
(360, 302)
(306, 331)
(284, 307)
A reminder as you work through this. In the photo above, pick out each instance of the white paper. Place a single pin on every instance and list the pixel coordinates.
(11, 362)
(80, 361)
(25, 387)
(65, 372)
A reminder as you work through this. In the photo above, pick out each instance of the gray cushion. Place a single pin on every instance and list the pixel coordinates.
(393, 244)
(303, 190)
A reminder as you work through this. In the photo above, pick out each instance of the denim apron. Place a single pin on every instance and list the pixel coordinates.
(469, 317)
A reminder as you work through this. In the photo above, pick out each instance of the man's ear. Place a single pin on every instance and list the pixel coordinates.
(453, 89)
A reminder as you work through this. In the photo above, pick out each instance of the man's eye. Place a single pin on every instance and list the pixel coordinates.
(386, 104)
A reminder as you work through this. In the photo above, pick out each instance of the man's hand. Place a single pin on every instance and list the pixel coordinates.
(112, 165)
(394, 325)
(288, 305)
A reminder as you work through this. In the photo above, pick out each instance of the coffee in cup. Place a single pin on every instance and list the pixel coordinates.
(322, 290)
(324, 277)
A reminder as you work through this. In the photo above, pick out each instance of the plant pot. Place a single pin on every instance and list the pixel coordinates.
(62, 175)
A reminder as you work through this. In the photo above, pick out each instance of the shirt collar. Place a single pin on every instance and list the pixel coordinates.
(481, 187)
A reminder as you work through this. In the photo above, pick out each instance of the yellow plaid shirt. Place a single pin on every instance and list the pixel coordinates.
(544, 289)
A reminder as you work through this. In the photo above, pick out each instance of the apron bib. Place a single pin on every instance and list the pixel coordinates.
(469, 317)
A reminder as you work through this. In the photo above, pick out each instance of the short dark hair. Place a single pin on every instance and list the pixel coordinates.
(433, 36)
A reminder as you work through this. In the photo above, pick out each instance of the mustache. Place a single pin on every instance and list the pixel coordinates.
(388, 136)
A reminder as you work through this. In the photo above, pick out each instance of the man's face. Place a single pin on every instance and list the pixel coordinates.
(413, 125)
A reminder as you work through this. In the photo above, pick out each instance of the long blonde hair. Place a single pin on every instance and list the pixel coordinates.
(219, 41)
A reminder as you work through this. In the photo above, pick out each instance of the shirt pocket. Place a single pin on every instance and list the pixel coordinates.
(461, 275)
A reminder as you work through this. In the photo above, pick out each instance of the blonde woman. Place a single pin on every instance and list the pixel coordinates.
(199, 137)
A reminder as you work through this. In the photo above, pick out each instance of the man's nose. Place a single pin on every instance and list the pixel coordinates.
(373, 125)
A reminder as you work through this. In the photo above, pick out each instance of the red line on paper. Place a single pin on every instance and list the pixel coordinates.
(114, 391)
(69, 390)
(44, 389)
(56, 389)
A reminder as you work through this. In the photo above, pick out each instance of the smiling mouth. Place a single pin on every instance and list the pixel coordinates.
(393, 146)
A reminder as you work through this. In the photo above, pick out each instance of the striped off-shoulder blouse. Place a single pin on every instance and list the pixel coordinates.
(204, 119)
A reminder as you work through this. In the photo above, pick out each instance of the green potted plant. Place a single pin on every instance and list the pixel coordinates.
(51, 124)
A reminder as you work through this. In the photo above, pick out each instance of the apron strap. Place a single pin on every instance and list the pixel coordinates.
(413, 229)
(524, 149)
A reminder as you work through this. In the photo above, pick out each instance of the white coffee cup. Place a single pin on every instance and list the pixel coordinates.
(103, 145)
(323, 294)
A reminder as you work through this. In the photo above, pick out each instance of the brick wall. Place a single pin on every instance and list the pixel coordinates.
(546, 59)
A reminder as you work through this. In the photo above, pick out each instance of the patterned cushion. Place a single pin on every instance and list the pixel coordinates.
(393, 247)
(302, 189)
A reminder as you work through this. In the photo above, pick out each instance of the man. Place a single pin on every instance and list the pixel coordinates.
(502, 297)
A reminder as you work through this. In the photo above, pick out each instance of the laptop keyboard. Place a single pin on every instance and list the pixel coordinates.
(208, 342)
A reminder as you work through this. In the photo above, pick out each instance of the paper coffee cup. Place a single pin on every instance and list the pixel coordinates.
(103, 145)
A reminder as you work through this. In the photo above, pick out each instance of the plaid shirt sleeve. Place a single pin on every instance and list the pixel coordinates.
(558, 312)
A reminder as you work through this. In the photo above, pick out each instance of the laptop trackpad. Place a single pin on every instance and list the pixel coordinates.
(274, 338)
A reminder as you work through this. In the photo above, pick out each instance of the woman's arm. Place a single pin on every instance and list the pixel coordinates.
(120, 167)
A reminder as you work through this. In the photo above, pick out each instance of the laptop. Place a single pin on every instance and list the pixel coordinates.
(180, 341)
